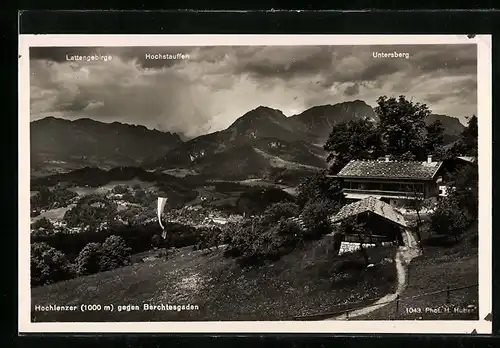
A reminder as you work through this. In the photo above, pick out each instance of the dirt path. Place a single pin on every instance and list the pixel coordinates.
(403, 257)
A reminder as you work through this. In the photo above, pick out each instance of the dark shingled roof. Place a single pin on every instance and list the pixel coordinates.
(373, 205)
(390, 170)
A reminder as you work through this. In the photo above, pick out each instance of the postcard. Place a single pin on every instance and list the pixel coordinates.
(255, 183)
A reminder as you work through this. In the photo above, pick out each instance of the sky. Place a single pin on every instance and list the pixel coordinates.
(197, 90)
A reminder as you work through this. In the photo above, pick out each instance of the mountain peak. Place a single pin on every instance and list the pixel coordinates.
(264, 110)
(263, 107)
(261, 112)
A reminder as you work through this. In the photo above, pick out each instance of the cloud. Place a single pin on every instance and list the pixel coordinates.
(352, 90)
(208, 91)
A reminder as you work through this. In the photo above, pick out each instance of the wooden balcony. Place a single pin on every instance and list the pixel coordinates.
(384, 193)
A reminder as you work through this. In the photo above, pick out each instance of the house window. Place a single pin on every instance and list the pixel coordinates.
(352, 185)
(413, 187)
(371, 186)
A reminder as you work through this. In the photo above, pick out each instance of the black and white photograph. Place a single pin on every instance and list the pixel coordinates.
(319, 183)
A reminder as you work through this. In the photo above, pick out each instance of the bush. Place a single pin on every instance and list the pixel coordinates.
(209, 237)
(89, 259)
(114, 253)
(43, 223)
(120, 189)
(316, 217)
(48, 265)
(448, 218)
(277, 211)
(156, 241)
(290, 231)
(254, 240)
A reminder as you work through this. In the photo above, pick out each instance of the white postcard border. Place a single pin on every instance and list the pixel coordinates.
(484, 108)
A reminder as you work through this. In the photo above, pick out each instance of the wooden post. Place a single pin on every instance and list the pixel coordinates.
(397, 304)
(347, 315)
(448, 294)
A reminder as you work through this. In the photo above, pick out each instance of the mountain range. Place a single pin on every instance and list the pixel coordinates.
(59, 145)
(261, 142)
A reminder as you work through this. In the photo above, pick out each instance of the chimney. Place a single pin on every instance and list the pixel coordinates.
(387, 158)
(429, 159)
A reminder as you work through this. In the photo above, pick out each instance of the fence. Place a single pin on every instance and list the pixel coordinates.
(397, 303)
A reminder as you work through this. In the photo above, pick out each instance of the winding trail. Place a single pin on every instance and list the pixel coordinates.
(403, 257)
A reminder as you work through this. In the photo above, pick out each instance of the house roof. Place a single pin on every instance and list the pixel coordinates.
(470, 159)
(373, 205)
(390, 170)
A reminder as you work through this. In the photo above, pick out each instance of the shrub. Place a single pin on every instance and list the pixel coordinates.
(243, 235)
(209, 237)
(89, 259)
(48, 265)
(114, 253)
(290, 231)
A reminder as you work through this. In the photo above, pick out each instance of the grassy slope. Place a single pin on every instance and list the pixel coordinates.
(305, 282)
(438, 267)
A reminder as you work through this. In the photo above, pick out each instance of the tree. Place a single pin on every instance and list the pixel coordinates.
(92, 211)
(274, 213)
(114, 253)
(316, 217)
(467, 144)
(402, 126)
(89, 259)
(448, 219)
(318, 187)
(120, 189)
(464, 188)
(43, 224)
(356, 139)
(48, 265)
(133, 215)
(140, 196)
(434, 139)
(61, 196)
